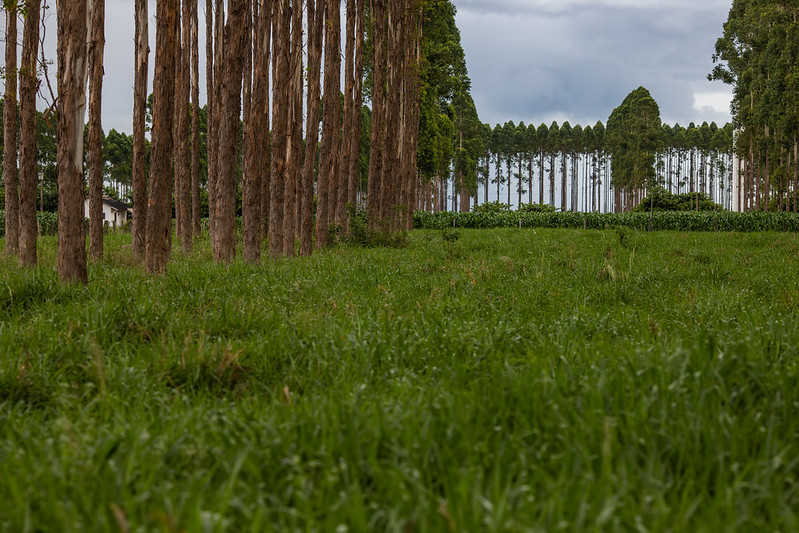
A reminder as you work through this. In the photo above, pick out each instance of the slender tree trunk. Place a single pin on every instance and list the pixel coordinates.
(315, 25)
(96, 47)
(183, 154)
(210, 106)
(265, 142)
(391, 166)
(27, 153)
(159, 219)
(411, 111)
(355, 146)
(377, 147)
(10, 173)
(280, 108)
(139, 114)
(331, 128)
(72, 74)
(333, 120)
(251, 181)
(224, 239)
(216, 95)
(195, 122)
(349, 116)
(294, 163)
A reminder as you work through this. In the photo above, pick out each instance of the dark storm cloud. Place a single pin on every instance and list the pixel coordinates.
(544, 60)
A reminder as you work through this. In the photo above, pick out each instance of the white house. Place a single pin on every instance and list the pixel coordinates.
(115, 213)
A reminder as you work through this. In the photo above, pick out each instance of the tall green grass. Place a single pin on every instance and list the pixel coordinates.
(504, 380)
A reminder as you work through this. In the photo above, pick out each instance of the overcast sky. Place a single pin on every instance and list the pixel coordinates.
(543, 60)
(529, 60)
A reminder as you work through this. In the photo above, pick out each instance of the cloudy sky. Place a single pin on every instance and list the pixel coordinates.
(529, 60)
(543, 60)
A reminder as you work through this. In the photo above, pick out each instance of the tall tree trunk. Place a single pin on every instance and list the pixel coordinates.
(315, 25)
(219, 65)
(183, 153)
(251, 180)
(96, 48)
(265, 142)
(333, 87)
(357, 98)
(411, 111)
(72, 74)
(27, 155)
(281, 45)
(294, 163)
(377, 147)
(391, 158)
(139, 114)
(195, 122)
(224, 238)
(159, 220)
(10, 175)
(331, 127)
(349, 116)
(210, 106)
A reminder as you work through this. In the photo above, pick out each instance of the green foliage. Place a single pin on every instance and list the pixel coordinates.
(752, 221)
(537, 208)
(634, 137)
(368, 233)
(47, 223)
(463, 386)
(491, 207)
(662, 200)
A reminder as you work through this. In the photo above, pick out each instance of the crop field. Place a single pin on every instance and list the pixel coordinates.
(503, 379)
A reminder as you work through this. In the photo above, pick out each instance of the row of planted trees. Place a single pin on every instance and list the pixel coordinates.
(758, 55)
(568, 167)
(288, 137)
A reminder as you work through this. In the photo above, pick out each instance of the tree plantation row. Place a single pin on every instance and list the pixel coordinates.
(758, 54)
(274, 130)
(568, 167)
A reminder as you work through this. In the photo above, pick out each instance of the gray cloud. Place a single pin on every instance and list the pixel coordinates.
(542, 60)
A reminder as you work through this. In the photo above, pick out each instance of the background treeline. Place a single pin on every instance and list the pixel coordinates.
(568, 167)
(758, 55)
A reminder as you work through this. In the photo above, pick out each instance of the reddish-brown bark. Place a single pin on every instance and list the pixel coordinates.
(159, 220)
(139, 115)
(96, 48)
(315, 24)
(27, 151)
(72, 74)
(195, 122)
(281, 45)
(10, 175)
(331, 127)
(224, 238)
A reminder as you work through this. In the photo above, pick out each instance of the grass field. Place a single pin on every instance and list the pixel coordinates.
(507, 380)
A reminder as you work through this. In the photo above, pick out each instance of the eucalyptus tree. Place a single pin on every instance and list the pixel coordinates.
(139, 170)
(72, 77)
(96, 48)
(634, 137)
(758, 55)
(10, 171)
(541, 137)
(28, 146)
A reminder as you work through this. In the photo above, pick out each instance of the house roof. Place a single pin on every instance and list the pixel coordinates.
(116, 204)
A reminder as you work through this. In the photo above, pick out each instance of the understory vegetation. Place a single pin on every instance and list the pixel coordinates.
(756, 221)
(504, 380)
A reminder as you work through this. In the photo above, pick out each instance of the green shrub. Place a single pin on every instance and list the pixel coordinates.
(491, 207)
(661, 220)
(537, 208)
(662, 200)
(380, 233)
